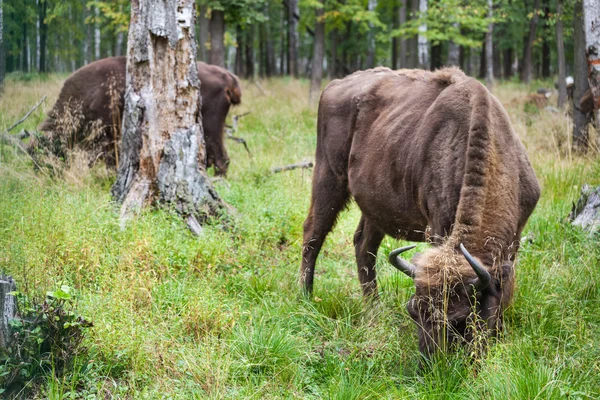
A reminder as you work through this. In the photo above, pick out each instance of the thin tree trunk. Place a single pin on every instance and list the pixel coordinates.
(250, 52)
(37, 38)
(507, 59)
(293, 38)
(163, 151)
(2, 60)
(26, 54)
(560, 50)
(591, 16)
(528, 48)
(371, 6)
(262, 52)
(436, 56)
(42, 9)
(88, 37)
(217, 36)
(239, 52)
(317, 60)
(422, 39)
(395, 39)
(270, 62)
(403, 41)
(546, 42)
(283, 50)
(413, 43)
(204, 34)
(97, 36)
(453, 51)
(332, 64)
(580, 120)
(489, 49)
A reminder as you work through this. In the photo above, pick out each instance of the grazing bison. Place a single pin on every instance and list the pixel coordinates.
(427, 156)
(95, 93)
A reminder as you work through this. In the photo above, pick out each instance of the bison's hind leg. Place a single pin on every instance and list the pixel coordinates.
(329, 196)
(367, 239)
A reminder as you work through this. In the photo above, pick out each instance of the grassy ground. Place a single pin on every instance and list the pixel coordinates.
(221, 316)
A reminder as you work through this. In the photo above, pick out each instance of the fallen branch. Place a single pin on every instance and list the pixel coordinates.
(19, 122)
(306, 164)
(232, 129)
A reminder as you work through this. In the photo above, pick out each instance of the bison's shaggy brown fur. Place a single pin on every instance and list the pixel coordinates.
(427, 156)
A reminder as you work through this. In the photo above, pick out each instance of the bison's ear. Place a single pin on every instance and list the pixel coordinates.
(228, 95)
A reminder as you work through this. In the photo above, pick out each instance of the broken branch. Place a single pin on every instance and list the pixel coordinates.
(306, 164)
(26, 115)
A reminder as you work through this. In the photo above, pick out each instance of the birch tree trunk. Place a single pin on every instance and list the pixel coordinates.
(371, 6)
(2, 61)
(293, 38)
(560, 50)
(422, 41)
(317, 61)
(97, 38)
(217, 37)
(580, 119)
(163, 151)
(489, 49)
(37, 38)
(591, 22)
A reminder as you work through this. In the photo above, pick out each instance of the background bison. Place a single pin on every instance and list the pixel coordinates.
(89, 108)
(427, 156)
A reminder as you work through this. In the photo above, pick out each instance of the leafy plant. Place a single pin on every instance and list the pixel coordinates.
(46, 338)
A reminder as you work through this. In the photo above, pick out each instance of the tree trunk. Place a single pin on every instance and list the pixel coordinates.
(204, 35)
(560, 50)
(250, 52)
(507, 59)
(546, 42)
(270, 62)
(436, 56)
(332, 64)
(42, 9)
(239, 52)
(97, 35)
(283, 50)
(293, 42)
(119, 44)
(453, 52)
(528, 48)
(422, 41)
(317, 60)
(88, 37)
(371, 6)
(403, 41)
(2, 61)
(37, 37)
(395, 39)
(591, 17)
(217, 36)
(163, 152)
(8, 302)
(489, 49)
(580, 120)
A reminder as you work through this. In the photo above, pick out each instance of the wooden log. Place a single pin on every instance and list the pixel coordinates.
(586, 212)
(306, 164)
(8, 308)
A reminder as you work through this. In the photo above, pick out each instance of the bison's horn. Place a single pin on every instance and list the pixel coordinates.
(482, 273)
(402, 264)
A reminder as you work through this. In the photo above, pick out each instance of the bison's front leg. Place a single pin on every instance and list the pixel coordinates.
(367, 239)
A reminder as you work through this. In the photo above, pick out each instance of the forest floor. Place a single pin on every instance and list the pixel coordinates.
(221, 316)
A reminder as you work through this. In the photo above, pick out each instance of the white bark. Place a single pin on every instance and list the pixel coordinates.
(8, 304)
(97, 38)
(162, 149)
(423, 43)
(591, 27)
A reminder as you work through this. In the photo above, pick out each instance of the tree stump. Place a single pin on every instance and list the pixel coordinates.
(8, 308)
(586, 212)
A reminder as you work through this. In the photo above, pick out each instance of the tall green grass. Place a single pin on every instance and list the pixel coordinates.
(221, 316)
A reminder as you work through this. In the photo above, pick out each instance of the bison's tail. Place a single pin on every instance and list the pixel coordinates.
(234, 91)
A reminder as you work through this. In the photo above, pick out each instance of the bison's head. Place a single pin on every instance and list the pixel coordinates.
(457, 301)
